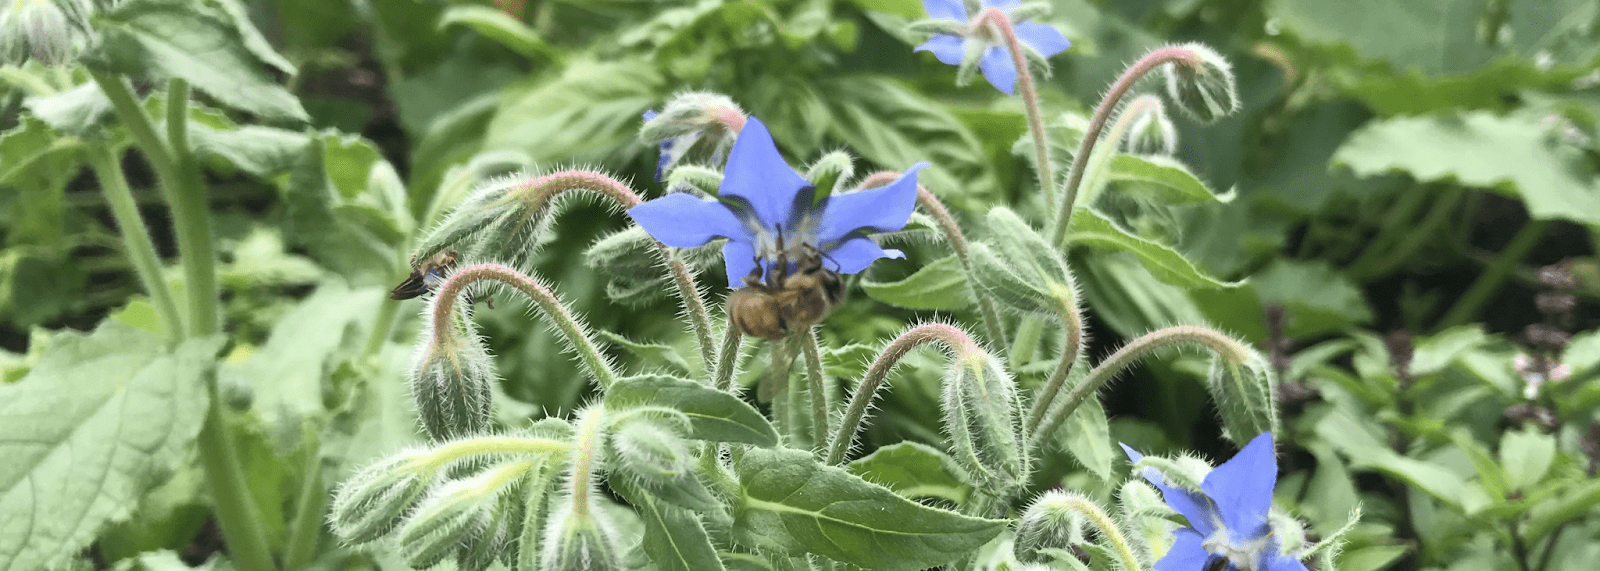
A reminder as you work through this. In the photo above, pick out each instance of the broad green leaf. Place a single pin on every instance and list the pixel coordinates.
(99, 421)
(673, 536)
(1317, 298)
(794, 505)
(588, 112)
(1526, 456)
(264, 152)
(1091, 229)
(1550, 514)
(1087, 435)
(713, 414)
(27, 144)
(1515, 155)
(1158, 178)
(1348, 435)
(238, 15)
(76, 111)
(652, 354)
(330, 213)
(499, 26)
(169, 38)
(850, 361)
(941, 284)
(913, 470)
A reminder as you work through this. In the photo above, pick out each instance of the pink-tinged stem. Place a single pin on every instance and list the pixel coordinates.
(577, 334)
(1030, 99)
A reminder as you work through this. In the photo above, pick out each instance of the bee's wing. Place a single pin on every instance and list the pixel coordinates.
(415, 285)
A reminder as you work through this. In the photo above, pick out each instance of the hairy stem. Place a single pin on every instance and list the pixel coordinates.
(1094, 177)
(819, 393)
(1070, 348)
(1125, 357)
(576, 333)
(997, 19)
(586, 445)
(1102, 113)
(305, 527)
(136, 237)
(1108, 529)
(728, 360)
(952, 337)
(439, 457)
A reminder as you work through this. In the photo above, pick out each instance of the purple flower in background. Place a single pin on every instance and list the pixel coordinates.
(763, 203)
(1228, 521)
(995, 61)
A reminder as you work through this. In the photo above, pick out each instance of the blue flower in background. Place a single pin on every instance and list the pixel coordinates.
(1228, 521)
(763, 202)
(995, 61)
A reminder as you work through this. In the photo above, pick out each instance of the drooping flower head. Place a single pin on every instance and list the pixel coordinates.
(979, 40)
(768, 212)
(703, 122)
(1228, 516)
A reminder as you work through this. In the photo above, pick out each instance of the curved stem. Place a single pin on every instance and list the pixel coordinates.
(1108, 529)
(191, 216)
(728, 361)
(693, 304)
(1070, 349)
(135, 237)
(1126, 356)
(958, 244)
(1094, 177)
(819, 393)
(1489, 281)
(585, 446)
(236, 510)
(1132, 75)
(953, 338)
(439, 457)
(577, 334)
(1030, 102)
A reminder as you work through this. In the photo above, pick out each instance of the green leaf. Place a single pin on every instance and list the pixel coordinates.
(1019, 268)
(1318, 299)
(913, 470)
(895, 127)
(794, 505)
(156, 39)
(1091, 229)
(25, 145)
(1087, 435)
(103, 418)
(75, 111)
(652, 354)
(713, 415)
(588, 112)
(1514, 155)
(941, 284)
(849, 361)
(1348, 435)
(1526, 456)
(673, 536)
(264, 152)
(1159, 178)
(499, 26)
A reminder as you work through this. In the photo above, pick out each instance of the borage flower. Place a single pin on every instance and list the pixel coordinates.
(1228, 521)
(993, 57)
(768, 212)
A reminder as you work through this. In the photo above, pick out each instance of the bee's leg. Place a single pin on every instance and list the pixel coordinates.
(754, 277)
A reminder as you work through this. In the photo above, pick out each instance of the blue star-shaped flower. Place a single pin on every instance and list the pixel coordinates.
(763, 202)
(995, 61)
(1228, 522)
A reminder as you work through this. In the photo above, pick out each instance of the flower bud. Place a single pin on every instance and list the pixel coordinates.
(1018, 268)
(1203, 85)
(452, 382)
(372, 502)
(1048, 523)
(632, 267)
(699, 122)
(459, 514)
(579, 541)
(1245, 393)
(831, 169)
(654, 454)
(1152, 132)
(980, 415)
(51, 32)
(479, 552)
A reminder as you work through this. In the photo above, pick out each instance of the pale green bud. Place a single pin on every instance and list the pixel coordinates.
(831, 169)
(579, 541)
(1204, 87)
(452, 383)
(1048, 523)
(632, 266)
(459, 515)
(1152, 132)
(1018, 268)
(51, 32)
(372, 502)
(1244, 391)
(654, 454)
(980, 406)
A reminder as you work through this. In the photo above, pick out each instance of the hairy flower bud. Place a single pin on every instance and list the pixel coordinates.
(373, 501)
(1048, 523)
(653, 453)
(1203, 85)
(698, 122)
(826, 174)
(980, 415)
(579, 541)
(452, 383)
(1152, 132)
(633, 270)
(51, 32)
(458, 514)
(1019, 268)
(1245, 392)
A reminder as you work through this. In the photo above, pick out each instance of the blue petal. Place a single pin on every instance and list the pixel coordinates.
(1044, 38)
(1186, 554)
(999, 70)
(1198, 509)
(949, 49)
(946, 9)
(1242, 488)
(1006, 5)
(759, 175)
(739, 259)
(856, 254)
(881, 209)
(1276, 561)
(683, 220)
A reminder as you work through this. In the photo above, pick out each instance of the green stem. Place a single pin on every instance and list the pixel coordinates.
(1131, 76)
(306, 526)
(1108, 529)
(191, 216)
(236, 510)
(107, 167)
(1029, 328)
(511, 445)
(382, 325)
(953, 338)
(728, 361)
(693, 304)
(1070, 348)
(1125, 357)
(1030, 103)
(1396, 225)
(1094, 177)
(1488, 283)
(139, 124)
(576, 333)
(795, 392)
(819, 393)
(586, 445)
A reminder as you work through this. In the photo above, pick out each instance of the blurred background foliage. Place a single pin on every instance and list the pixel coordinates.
(1400, 173)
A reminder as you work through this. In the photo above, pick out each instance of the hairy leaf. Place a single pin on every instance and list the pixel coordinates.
(713, 414)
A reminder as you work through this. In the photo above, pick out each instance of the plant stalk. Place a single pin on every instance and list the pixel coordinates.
(819, 392)
(1467, 306)
(191, 216)
(141, 250)
(577, 334)
(1001, 24)
(953, 338)
(236, 510)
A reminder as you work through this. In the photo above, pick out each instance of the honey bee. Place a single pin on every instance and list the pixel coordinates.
(772, 309)
(429, 275)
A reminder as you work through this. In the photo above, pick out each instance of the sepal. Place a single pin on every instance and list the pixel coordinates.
(980, 405)
(1018, 268)
(372, 502)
